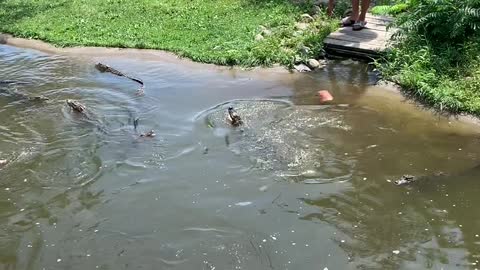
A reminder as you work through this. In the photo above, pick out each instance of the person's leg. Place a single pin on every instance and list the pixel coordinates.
(365, 6)
(330, 7)
(360, 24)
(355, 9)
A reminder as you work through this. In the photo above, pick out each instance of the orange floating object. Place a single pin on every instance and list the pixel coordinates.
(325, 96)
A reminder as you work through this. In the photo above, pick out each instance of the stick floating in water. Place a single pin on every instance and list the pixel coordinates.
(135, 123)
(105, 68)
(3, 162)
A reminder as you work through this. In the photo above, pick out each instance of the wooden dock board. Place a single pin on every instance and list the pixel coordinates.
(369, 42)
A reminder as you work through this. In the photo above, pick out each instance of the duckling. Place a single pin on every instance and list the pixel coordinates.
(405, 180)
(149, 134)
(76, 106)
(233, 118)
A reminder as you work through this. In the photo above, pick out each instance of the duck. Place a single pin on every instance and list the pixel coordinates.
(233, 118)
(76, 106)
(149, 134)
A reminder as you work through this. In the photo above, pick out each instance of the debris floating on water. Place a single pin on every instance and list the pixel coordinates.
(243, 203)
(135, 123)
(325, 96)
(149, 134)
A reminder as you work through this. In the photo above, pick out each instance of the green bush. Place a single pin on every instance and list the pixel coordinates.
(436, 53)
(449, 21)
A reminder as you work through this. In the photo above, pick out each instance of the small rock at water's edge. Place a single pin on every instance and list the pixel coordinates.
(313, 64)
(302, 68)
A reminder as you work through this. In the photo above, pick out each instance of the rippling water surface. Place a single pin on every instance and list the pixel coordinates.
(299, 186)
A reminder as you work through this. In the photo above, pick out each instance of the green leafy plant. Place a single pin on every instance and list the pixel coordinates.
(390, 9)
(441, 20)
(436, 54)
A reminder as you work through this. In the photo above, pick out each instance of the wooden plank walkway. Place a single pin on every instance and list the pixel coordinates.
(367, 43)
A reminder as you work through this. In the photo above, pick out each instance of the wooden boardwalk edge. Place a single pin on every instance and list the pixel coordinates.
(370, 42)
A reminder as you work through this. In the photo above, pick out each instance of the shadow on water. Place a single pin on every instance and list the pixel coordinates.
(15, 11)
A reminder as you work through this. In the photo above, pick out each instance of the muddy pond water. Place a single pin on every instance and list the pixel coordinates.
(299, 186)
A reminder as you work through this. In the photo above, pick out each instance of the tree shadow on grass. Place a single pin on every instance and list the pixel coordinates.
(14, 12)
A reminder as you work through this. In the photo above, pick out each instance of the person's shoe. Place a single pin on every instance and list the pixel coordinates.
(347, 22)
(359, 25)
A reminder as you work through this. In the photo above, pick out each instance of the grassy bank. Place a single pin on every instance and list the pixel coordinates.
(436, 56)
(211, 31)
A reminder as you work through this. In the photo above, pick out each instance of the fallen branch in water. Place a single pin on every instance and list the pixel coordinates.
(105, 68)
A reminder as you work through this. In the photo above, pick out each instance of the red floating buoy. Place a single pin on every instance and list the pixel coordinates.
(325, 96)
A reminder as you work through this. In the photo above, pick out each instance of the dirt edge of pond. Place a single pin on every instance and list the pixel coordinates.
(278, 72)
(143, 54)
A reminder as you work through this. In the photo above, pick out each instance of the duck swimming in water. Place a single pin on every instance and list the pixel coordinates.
(233, 118)
(405, 180)
(149, 134)
(76, 106)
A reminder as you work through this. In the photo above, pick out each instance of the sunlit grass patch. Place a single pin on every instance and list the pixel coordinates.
(210, 31)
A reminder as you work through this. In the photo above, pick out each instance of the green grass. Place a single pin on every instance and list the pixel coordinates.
(442, 76)
(211, 31)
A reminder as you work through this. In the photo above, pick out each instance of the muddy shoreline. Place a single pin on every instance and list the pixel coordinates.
(277, 72)
(464, 118)
(142, 54)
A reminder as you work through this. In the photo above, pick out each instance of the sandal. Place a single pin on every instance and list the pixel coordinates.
(359, 25)
(347, 22)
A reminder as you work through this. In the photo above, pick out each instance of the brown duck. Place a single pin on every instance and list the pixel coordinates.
(233, 118)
